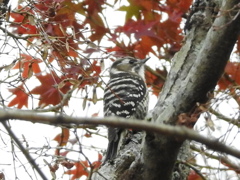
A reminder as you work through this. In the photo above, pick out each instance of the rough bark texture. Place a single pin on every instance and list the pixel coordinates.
(195, 71)
(3, 9)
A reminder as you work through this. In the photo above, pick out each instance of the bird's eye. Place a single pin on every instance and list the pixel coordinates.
(131, 61)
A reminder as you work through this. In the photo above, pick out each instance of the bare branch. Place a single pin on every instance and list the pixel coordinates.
(23, 150)
(178, 132)
(223, 159)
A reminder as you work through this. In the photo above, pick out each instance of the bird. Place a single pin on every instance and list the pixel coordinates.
(125, 96)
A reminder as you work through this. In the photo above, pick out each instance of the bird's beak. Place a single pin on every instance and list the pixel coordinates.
(145, 60)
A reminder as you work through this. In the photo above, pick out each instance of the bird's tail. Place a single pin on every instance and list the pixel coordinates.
(111, 151)
(115, 137)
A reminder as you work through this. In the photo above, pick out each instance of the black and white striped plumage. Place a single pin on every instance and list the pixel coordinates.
(125, 96)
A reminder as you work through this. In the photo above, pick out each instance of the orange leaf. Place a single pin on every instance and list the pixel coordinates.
(194, 176)
(21, 98)
(63, 137)
(79, 171)
(238, 44)
(232, 74)
(88, 135)
(27, 64)
(67, 164)
(233, 69)
(25, 27)
(146, 44)
(48, 91)
(96, 164)
(224, 83)
(155, 81)
(95, 68)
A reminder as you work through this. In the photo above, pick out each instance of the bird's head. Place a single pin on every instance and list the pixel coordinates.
(128, 65)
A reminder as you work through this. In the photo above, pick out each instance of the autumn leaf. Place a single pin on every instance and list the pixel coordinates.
(79, 171)
(233, 69)
(25, 26)
(155, 79)
(96, 164)
(48, 89)
(63, 137)
(88, 135)
(131, 11)
(238, 44)
(224, 82)
(139, 28)
(67, 164)
(28, 64)
(96, 23)
(231, 76)
(194, 176)
(178, 6)
(21, 97)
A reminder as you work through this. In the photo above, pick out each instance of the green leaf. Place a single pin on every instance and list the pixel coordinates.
(131, 10)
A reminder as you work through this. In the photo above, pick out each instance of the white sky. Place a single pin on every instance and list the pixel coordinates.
(39, 135)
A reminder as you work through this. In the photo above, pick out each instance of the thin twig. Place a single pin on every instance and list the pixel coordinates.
(223, 159)
(193, 168)
(24, 151)
(225, 118)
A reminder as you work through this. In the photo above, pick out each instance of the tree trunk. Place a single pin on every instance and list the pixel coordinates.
(212, 28)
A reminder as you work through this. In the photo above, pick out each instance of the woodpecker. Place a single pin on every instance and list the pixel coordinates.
(125, 96)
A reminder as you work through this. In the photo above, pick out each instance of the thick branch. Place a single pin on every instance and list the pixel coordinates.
(195, 71)
(178, 132)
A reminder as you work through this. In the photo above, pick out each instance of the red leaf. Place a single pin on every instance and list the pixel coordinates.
(27, 63)
(79, 171)
(178, 5)
(63, 137)
(96, 164)
(95, 68)
(24, 27)
(17, 17)
(224, 83)
(97, 25)
(145, 46)
(232, 75)
(233, 69)
(94, 6)
(119, 51)
(238, 44)
(139, 28)
(67, 164)
(194, 176)
(48, 90)
(155, 80)
(21, 98)
(88, 135)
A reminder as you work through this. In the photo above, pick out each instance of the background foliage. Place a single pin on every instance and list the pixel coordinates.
(55, 54)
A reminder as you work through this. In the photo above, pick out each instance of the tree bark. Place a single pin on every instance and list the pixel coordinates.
(213, 28)
(3, 9)
(195, 71)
